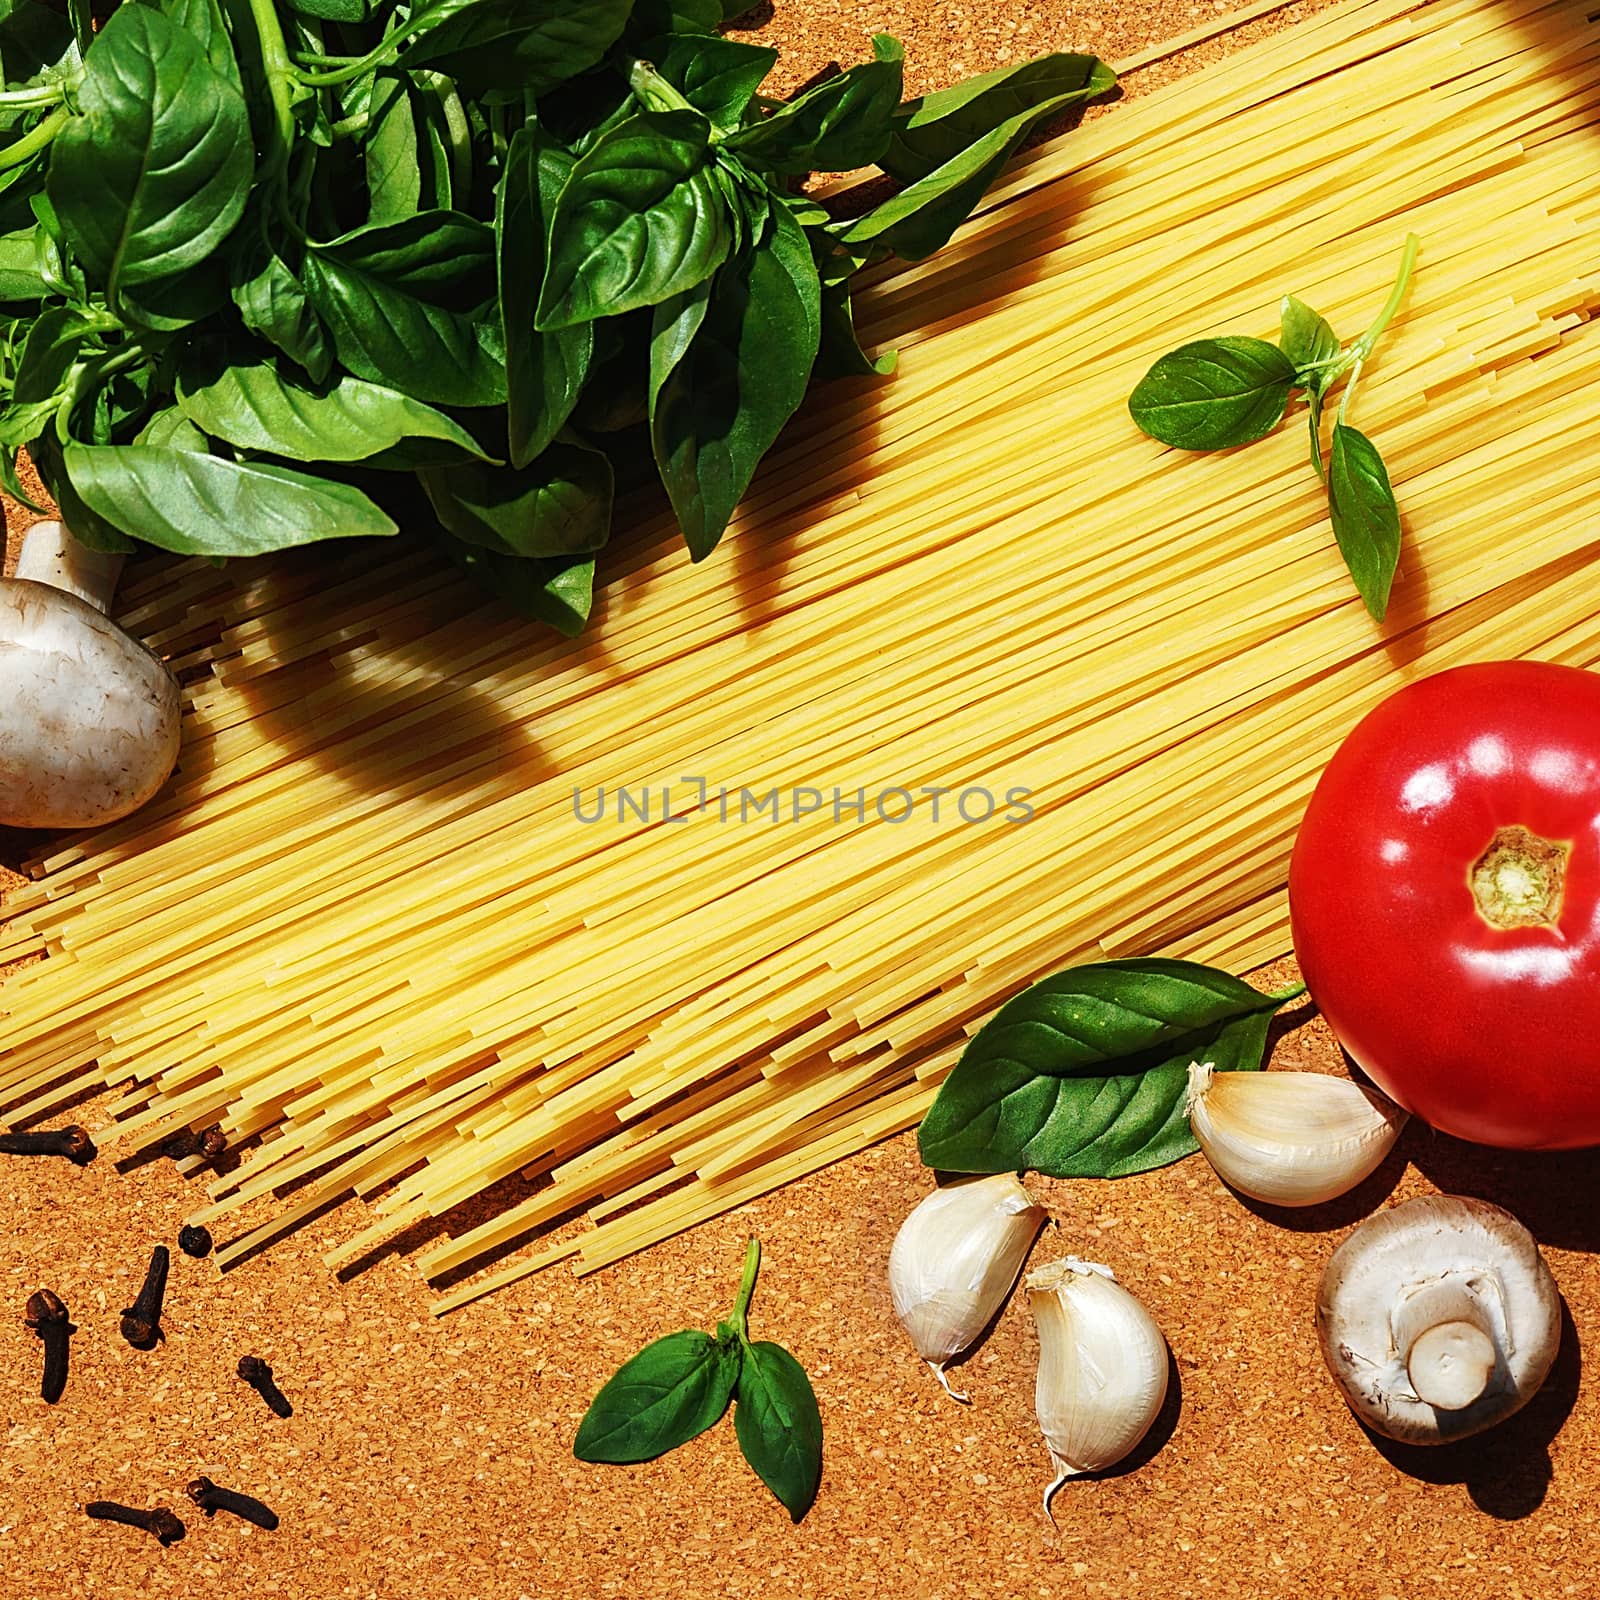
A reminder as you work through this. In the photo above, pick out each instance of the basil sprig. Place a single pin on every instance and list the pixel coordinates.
(1084, 1074)
(1215, 394)
(680, 1385)
(260, 261)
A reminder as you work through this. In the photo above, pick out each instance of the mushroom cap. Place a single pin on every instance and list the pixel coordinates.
(89, 722)
(1435, 1239)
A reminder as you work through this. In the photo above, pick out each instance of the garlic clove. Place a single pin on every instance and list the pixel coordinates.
(954, 1261)
(1102, 1368)
(1290, 1138)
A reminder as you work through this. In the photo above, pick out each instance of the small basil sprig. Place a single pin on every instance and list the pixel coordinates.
(1215, 394)
(680, 1385)
(1084, 1074)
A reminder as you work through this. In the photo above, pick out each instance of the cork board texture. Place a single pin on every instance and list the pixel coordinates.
(426, 1456)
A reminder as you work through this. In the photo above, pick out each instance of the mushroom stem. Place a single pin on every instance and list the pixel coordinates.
(50, 554)
(1444, 1335)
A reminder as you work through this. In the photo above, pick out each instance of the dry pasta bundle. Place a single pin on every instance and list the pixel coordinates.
(666, 916)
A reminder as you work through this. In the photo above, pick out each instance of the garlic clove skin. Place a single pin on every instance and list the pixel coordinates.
(1290, 1138)
(954, 1261)
(1102, 1368)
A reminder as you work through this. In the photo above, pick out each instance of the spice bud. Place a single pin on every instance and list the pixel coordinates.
(1290, 1138)
(954, 1261)
(1102, 1368)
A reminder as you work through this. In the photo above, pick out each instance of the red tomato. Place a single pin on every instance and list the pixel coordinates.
(1445, 901)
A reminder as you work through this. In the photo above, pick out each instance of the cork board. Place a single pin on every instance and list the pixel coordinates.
(428, 1454)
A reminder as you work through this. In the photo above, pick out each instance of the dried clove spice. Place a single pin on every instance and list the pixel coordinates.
(72, 1142)
(46, 1314)
(164, 1524)
(206, 1143)
(258, 1375)
(194, 1240)
(141, 1322)
(212, 1498)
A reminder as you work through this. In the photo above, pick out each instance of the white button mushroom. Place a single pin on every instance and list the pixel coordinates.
(1438, 1318)
(88, 717)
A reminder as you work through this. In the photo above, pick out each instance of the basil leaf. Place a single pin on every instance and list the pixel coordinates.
(87, 526)
(203, 505)
(1084, 1074)
(19, 266)
(673, 1390)
(173, 431)
(393, 165)
(560, 591)
(1305, 337)
(51, 347)
(1366, 520)
(406, 306)
(545, 372)
(1214, 393)
(23, 421)
(14, 486)
(922, 217)
(933, 129)
(560, 505)
(510, 44)
(716, 76)
(274, 305)
(179, 301)
(639, 220)
(728, 366)
(779, 1427)
(840, 354)
(1004, 1117)
(202, 21)
(844, 122)
(656, 22)
(333, 10)
(254, 406)
(155, 172)
(61, 274)
(53, 344)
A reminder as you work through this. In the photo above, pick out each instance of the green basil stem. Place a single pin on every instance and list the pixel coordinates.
(35, 139)
(1314, 400)
(1282, 996)
(86, 377)
(45, 94)
(356, 66)
(458, 130)
(1365, 345)
(278, 72)
(747, 1286)
(1349, 390)
(654, 90)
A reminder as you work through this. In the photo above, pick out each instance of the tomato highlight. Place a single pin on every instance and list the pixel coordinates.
(1444, 895)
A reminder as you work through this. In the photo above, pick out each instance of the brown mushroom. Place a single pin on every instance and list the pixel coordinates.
(1438, 1318)
(89, 718)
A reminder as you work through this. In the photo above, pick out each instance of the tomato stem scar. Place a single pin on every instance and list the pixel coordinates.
(1518, 881)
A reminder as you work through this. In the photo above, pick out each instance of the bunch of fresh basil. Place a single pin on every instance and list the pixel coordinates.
(261, 260)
